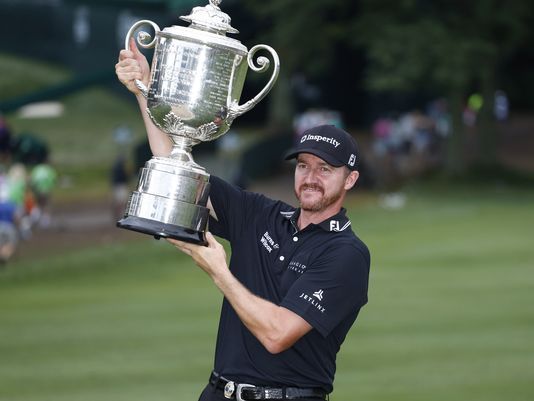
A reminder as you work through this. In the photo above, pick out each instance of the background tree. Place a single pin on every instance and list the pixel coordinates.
(305, 34)
(443, 47)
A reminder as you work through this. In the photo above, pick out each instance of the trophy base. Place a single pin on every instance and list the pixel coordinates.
(170, 201)
(162, 230)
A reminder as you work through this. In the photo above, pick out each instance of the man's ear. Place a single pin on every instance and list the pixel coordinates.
(351, 179)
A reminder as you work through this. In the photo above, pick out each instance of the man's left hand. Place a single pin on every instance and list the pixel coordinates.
(211, 258)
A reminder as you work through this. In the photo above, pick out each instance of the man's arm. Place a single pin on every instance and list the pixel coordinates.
(276, 327)
(133, 65)
(160, 143)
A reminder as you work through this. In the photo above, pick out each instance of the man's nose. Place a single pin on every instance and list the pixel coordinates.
(311, 176)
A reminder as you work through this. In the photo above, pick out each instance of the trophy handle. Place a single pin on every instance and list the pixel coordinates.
(262, 65)
(143, 40)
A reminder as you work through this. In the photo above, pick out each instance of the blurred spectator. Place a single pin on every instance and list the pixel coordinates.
(438, 111)
(315, 117)
(381, 131)
(409, 144)
(43, 178)
(424, 132)
(474, 104)
(142, 153)
(8, 230)
(20, 194)
(29, 149)
(501, 106)
(122, 135)
(9, 237)
(119, 182)
(16, 184)
(10, 213)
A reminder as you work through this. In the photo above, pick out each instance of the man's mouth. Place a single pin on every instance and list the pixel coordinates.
(311, 188)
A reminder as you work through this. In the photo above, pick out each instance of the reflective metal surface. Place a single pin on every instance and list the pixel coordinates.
(197, 76)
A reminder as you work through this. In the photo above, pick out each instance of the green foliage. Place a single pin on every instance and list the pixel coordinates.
(305, 33)
(439, 44)
(448, 317)
(451, 49)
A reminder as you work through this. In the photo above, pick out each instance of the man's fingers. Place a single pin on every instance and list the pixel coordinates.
(185, 247)
(212, 242)
(126, 54)
(129, 62)
(128, 76)
(133, 46)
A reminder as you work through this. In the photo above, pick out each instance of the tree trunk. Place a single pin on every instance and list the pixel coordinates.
(281, 104)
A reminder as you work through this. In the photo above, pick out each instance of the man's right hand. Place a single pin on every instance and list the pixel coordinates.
(132, 65)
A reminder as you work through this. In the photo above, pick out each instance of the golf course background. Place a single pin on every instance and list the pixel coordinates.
(450, 313)
(451, 297)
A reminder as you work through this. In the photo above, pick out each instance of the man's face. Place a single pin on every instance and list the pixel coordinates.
(318, 185)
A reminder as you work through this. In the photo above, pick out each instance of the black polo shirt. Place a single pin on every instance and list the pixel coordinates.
(320, 273)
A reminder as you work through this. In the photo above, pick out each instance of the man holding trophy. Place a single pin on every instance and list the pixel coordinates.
(297, 276)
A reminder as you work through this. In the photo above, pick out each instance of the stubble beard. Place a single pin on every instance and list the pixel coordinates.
(319, 205)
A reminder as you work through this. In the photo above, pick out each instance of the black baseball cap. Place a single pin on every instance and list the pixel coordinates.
(334, 145)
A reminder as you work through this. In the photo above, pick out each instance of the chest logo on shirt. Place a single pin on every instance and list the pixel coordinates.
(296, 267)
(317, 295)
(268, 243)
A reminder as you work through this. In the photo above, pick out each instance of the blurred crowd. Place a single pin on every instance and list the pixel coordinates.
(26, 183)
(406, 145)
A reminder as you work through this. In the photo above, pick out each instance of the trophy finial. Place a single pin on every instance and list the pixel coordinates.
(210, 18)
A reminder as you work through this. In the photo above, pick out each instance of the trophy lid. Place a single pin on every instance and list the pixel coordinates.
(210, 18)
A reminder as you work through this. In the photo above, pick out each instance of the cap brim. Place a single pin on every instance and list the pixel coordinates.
(316, 152)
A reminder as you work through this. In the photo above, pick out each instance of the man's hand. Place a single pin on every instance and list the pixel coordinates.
(132, 65)
(211, 258)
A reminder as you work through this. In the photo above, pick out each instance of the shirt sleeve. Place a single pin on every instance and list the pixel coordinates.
(234, 208)
(332, 289)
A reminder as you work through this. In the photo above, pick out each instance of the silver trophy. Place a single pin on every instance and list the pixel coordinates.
(197, 76)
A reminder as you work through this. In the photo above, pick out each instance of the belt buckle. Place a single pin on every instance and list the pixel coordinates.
(229, 389)
(240, 387)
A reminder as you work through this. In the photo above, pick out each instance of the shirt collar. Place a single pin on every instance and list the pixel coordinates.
(338, 222)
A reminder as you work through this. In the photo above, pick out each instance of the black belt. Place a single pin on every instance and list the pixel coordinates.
(243, 391)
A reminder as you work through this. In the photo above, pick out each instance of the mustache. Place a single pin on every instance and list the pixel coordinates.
(314, 187)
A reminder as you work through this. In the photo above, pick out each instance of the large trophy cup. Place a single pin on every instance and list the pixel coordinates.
(197, 76)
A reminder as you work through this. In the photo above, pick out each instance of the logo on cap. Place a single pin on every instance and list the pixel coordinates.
(319, 138)
(352, 160)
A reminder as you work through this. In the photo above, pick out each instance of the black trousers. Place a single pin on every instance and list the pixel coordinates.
(210, 394)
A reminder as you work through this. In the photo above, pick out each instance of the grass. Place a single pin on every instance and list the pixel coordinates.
(105, 323)
(450, 313)
(449, 317)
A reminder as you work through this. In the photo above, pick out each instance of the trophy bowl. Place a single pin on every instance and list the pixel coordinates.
(197, 76)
